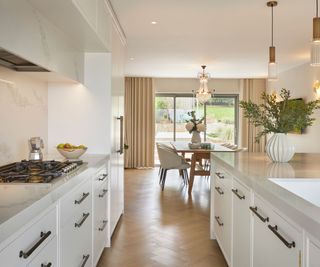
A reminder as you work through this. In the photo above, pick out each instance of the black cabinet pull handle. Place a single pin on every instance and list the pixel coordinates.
(218, 220)
(84, 217)
(84, 196)
(255, 211)
(84, 260)
(103, 177)
(236, 192)
(43, 237)
(46, 265)
(220, 175)
(103, 226)
(104, 192)
(219, 190)
(274, 230)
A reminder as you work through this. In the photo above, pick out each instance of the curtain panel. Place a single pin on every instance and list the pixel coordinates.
(139, 122)
(252, 90)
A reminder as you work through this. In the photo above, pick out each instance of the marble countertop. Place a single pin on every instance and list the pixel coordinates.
(255, 169)
(19, 203)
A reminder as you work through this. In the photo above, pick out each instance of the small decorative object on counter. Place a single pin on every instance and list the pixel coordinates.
(195, 126)
(280, 117)
(205, 145)
(71, 151)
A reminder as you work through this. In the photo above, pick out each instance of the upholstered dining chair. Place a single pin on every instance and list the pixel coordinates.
(170, 160)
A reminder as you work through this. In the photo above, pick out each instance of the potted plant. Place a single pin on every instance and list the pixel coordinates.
(280, 118)
(195, 126)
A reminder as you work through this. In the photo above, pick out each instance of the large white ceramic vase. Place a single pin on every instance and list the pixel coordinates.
(196, 138)
(279, 148)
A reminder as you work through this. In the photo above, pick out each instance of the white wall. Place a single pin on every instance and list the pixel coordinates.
(23, 113)
(80, 114)
(187, 85)
(299, 81)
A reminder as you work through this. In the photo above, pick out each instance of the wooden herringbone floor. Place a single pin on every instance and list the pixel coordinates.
(166, 228)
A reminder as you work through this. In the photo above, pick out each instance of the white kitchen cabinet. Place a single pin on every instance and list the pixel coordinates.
(276, 242)
(313, 248)
(88, 9)
(222, 225)
(104, 24)
(241, 199)
(101, 214)
(26, 246)
(76, 227)
(117, 133)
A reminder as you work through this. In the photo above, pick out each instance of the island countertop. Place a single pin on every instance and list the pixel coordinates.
(19, 203)
(255, 170)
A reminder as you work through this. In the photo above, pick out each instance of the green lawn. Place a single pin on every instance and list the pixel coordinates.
(221, 112)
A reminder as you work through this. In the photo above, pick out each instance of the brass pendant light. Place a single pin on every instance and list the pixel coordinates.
(272, 67)
(315, 45)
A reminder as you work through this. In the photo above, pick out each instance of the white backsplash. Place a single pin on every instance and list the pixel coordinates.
(23, 113)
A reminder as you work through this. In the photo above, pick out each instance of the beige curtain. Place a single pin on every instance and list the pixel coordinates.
(139, 122)
(252, 90)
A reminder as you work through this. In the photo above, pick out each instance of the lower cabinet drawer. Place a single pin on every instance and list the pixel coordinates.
(76, 241)
(48, 256)
(222, 218)
(22, 250)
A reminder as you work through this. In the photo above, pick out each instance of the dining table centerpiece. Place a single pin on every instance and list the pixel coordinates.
(280, 117)
(195, 126)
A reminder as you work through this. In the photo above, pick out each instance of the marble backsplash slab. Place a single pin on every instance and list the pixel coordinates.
(23, 113)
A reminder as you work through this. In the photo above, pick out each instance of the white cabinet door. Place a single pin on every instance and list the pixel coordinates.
(222, 224)
(313, 254)
(276, 243)
(101, 219)
(241, 199)
(88, 9)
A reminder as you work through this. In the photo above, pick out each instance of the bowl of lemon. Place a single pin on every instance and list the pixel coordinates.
(70, 151)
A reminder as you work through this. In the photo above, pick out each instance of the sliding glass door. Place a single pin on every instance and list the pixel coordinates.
(221, 118)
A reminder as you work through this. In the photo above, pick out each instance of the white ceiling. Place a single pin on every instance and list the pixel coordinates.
(230, 36)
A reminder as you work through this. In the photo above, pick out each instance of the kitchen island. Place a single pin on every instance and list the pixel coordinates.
(264, 213)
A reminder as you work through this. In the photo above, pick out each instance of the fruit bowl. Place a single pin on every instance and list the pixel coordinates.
(70, 151)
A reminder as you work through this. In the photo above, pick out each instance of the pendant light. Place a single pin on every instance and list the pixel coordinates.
(203, 94)
(315, 45)
(272, 67)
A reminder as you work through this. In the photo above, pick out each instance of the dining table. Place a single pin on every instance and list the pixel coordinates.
(198, 155)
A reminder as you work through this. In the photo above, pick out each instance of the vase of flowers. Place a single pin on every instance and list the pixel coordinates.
(280, 118)
(195, 126)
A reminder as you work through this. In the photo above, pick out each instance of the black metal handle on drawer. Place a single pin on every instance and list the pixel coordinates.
(84, 260)
(103, 177)
(103, 226)
(46, 265)
(104, 192)
(43, 237)
(274, 230)
(220, 175)
(255, 211)
(84, 196)
(219, 190)
(84, 217)
(236, 192)
(218, 220)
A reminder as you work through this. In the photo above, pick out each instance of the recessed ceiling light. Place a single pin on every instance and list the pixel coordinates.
(154, 22)
(132, 58)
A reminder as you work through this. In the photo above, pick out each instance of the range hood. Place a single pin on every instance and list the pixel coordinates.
(14, 62)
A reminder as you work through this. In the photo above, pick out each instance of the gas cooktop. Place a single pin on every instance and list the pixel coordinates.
(36, 171)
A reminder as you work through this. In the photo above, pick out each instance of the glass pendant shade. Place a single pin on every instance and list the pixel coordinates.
(273, 71)
(315, 53)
